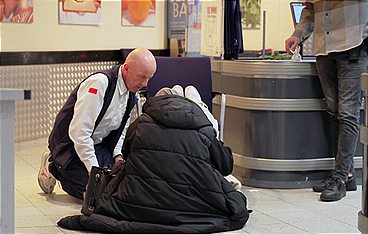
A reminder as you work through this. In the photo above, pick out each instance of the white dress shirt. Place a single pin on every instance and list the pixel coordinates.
(90, 98)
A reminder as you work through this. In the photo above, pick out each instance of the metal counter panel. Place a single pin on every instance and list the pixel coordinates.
(306, 87)
(276, 123)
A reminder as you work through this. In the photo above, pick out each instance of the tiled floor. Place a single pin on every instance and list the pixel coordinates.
(275, 210)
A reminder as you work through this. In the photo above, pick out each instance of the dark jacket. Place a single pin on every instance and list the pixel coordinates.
(173, 180)
(233, 32)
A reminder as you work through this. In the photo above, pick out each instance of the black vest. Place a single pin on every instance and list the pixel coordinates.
(60, 144)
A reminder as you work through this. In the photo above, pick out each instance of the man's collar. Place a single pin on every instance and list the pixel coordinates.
(121, 84)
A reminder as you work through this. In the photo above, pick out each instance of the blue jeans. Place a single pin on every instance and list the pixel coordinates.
(340, 74)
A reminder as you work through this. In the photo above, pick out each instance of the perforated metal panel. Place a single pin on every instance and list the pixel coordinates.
(50, 86)
(64, 78)
(31, 119)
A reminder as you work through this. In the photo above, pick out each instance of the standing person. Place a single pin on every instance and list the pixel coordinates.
(340, 31)
(90, 128)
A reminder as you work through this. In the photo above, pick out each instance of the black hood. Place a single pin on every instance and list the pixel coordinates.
(176, 112)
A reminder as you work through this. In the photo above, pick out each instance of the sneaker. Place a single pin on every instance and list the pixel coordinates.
(46, 180)
(178, 90)
(334, 190)
(234, 182)
(350, 184)
(192, 93)
(321, 186)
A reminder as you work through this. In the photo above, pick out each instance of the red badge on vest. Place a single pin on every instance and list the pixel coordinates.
(93, 90)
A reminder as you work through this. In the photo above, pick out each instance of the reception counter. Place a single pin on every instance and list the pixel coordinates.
(275, 122)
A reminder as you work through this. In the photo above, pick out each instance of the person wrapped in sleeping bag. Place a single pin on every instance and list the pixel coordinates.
(173, 178)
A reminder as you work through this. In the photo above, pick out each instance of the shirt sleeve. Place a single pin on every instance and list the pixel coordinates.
(305, 27)
(90, 97)
(119, 145)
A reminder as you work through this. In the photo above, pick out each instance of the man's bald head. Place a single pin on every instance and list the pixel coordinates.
(143, 55)
(139, 67)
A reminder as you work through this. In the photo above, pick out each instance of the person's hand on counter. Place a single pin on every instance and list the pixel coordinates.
(291, 43)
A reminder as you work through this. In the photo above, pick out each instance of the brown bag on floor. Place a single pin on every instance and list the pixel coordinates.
(97, 182)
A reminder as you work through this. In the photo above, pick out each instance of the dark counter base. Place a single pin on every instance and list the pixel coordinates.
(283, 180)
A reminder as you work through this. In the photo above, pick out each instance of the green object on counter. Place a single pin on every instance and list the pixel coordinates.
(278, 57)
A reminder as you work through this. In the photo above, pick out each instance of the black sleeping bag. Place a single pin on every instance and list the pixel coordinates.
(173, 179)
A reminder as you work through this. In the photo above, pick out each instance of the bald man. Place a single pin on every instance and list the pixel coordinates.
(90, 128)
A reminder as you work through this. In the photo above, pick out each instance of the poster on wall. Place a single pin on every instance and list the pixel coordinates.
(82, 12)
(251, 14)
(176, 24)
(212, 33)
(176, 18)
(138, 13)
(193, 32)
(16, 11)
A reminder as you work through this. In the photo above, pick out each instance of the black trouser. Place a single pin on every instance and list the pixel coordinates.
(74, 177)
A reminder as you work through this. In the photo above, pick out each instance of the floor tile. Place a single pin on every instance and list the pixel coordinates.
(39, 230)
(275, 206)
(235, 232)
(21, 201)
(295, 195)
(258, 218)
(294, 217)
(326, 227)
(35, 144)
(255, 196)
(353, 198)
(33, 221)
(28, 212)
(59, 210)
(66, 231)
(281, 228)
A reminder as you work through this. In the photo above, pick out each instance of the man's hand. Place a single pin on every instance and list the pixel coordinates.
(291, 43)
(118, 165)
(118, 158)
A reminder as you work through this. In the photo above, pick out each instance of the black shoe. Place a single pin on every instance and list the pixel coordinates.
(321, 186)
(350, 184)
(334, 191)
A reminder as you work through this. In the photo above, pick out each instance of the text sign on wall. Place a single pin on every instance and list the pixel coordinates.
(193, 31)
(212, 28)
(176, 18)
